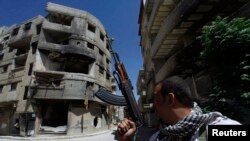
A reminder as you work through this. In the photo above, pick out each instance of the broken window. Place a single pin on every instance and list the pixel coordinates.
(76, 66)
(91, 27)
(107, 61)
(107, 46)
(20, 61)
(1, 89)
(101, 52)
(27, 26)
(107, 76)
(6, 38)
(22, 46)
(1, 46)
(65, 42)
(101, 70)
(54, 113)
(30, 69)
(56, 37)
(15, 31)
(26, 90)
(1, 57)
(13, 86)
(4, 68)
(34, 47)
(101, 36)
(49, 79)
(91, 46)
(60, 19)
(68, 62)
(95, 121)
(38, 29)
(90, 84)
(22, 49)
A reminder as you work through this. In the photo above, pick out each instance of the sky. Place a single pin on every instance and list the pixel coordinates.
(119, 18)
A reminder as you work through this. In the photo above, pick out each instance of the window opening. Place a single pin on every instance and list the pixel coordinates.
(91, 46)
(101, 70)
(20, 49)
(76, 66)
(1, 89)
(107, 61)
(4, 68)
(6, 38)
(1, 57)
(101, 52)
(101, 36)
(91, 28)
(60, 19)
(27, 26)
(107, 46)
(54, 113)
(26, 90)
(107, 76)
(30, 69)
(15, 31)
(34, 47)
(13, 86)
(38, 29)
(95, 121)
(20, 61)
(65, 42)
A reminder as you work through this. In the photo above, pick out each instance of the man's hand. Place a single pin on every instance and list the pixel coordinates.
(126, 129)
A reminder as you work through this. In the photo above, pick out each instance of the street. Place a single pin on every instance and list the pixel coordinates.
(109, 135)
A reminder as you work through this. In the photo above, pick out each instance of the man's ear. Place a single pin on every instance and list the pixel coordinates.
(171, 98)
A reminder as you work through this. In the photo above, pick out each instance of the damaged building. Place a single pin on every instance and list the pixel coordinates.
(50, 69)
(169, 45)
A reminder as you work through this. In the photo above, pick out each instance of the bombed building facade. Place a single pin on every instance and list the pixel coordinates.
(50, 69)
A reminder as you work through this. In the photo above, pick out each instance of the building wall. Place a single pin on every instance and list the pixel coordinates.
(168, 31)
(52, 66)
(82, 121)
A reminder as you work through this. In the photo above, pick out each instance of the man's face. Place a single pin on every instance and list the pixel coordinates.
(160, 105)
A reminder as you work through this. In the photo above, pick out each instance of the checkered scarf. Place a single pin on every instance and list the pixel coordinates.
(187, 126)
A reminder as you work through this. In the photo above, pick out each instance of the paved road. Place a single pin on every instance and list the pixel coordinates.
(102, 136)
(108, 135)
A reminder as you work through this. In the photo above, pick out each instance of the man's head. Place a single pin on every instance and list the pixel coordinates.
(179, 88)
(172, 98)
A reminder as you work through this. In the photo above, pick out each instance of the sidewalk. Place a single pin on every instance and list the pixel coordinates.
(109, 135)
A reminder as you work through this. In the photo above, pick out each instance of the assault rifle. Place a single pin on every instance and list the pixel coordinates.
(125, 87)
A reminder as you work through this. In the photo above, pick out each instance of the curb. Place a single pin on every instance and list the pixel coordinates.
(64, 137)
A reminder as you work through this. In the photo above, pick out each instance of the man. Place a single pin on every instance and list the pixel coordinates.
(181, 117)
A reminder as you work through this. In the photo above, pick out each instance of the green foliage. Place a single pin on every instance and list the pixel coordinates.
(227, 53)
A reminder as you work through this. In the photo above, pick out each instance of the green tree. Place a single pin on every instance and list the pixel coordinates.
(226, 52)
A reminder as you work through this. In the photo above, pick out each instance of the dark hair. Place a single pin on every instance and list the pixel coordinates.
(179, 88)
